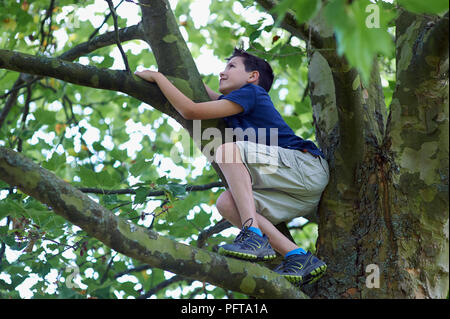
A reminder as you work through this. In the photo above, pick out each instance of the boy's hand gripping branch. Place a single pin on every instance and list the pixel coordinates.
(184, 105)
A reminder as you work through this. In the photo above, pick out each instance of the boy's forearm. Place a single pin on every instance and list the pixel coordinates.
(179, 101)
(184, 105)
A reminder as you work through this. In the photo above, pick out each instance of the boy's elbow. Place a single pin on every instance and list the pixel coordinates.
(192, 116)
(189, 114)
(192, 112)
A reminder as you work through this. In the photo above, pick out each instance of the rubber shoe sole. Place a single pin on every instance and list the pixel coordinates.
(245, 256)
(311, 278)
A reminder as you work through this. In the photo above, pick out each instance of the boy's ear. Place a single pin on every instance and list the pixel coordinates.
(254, 77)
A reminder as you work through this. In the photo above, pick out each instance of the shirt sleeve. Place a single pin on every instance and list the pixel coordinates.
(245, 97)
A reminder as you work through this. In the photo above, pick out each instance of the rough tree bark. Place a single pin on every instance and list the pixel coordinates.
(386, 204)
(387, 201)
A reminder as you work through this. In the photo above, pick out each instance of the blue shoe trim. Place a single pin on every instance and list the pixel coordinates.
(256, 231)
(296, 251)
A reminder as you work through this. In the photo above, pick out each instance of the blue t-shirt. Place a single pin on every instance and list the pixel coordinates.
(259, 117)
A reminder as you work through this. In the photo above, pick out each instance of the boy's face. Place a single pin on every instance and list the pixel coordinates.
(234, 76)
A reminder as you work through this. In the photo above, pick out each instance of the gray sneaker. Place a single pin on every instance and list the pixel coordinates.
(302, 268)
(249, 246)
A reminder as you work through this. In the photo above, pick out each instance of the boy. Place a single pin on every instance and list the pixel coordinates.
(273, 175)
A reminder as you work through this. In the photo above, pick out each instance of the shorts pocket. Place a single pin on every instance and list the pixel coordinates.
(315, 182)
(287, 161)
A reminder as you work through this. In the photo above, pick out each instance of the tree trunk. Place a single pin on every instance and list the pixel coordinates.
(383, 219)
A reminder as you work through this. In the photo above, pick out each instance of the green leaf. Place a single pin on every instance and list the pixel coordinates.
(10, 207)
(255, 35)
(45, 117)
(304, 9)
(293, 121)
(55, 161)
(361, 32)
(177, 190)
(141, 195)
(87, 176)
(119, 155)
(43, 268)
(420, 6)
(105, 179)
(138, 167)
(161, 180)
(66, 293)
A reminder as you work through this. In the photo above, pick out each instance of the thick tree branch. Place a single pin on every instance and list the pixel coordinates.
(173, 57)
(422, 52)
(106, 39)
(171, 52)
(103, 40)
(138, 242)
(89, 76)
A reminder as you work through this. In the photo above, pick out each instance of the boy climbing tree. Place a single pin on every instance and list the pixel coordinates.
(273, 175)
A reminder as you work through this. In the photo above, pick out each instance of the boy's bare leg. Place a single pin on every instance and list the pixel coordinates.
(239, 181)
(228, 209)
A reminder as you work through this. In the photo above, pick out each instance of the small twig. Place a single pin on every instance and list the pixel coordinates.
(128, 271)
(19, 86)
(138, 4)
(105, 274)
(24, 117)
(103, 23)
(217, 228)
(116, 28)
(48, 15)
(163, 285)
(189, 188)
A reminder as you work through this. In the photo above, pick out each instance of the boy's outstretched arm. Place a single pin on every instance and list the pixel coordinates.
(185, 106)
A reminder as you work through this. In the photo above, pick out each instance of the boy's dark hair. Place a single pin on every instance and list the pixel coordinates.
(254, 63)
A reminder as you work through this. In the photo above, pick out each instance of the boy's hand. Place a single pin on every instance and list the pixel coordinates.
(148, 75)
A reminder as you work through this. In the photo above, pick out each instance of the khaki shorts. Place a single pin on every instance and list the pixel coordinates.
(286, 183)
